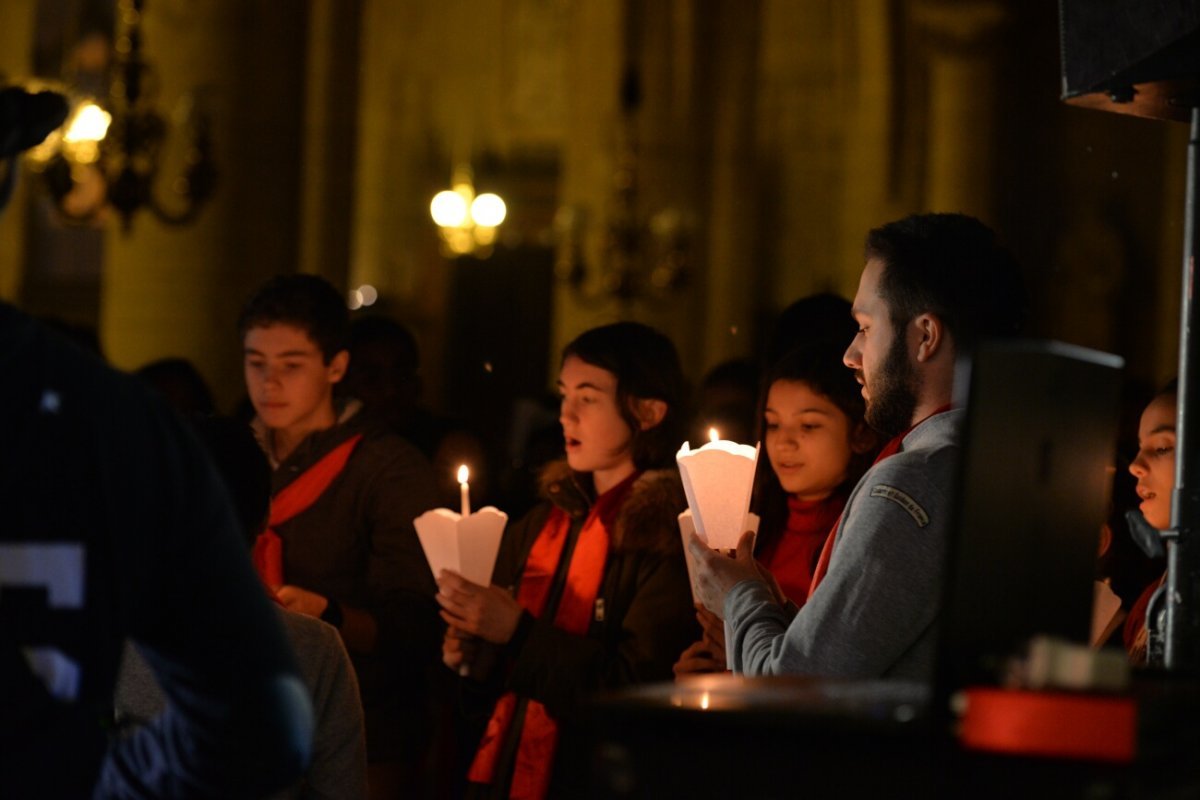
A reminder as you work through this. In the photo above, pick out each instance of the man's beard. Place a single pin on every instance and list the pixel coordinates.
(893, 392)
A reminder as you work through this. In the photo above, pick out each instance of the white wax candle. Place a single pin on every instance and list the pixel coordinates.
(463, 474)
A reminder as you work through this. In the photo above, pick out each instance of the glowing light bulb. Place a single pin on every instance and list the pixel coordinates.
(448, 209)
(89, 124)
(488, 210)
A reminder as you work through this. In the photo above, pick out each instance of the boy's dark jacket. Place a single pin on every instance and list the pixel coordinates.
(357, 544)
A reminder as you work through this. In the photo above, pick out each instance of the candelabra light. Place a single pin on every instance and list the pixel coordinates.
(467, 222)
(112, 156)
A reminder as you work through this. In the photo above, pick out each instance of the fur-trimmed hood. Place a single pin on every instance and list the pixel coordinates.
(648, 520)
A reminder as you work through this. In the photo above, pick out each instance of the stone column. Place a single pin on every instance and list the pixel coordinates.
(870, 185)
(727, 324)
(593, 72)
(16, 61)
(331, 139)
(175, 291)
(694, 156)
(962, 77)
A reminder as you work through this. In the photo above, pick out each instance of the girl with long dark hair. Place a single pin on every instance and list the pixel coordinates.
(817, 446)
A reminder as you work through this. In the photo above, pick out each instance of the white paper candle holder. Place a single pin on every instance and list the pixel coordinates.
(718, 480)
(467, 545)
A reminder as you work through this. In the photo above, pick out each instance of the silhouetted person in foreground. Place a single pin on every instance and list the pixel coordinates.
(117, 526)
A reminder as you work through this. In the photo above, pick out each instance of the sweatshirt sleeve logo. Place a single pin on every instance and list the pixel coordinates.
(903, 500)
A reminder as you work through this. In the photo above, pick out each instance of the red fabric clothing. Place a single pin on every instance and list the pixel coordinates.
(1133, 634)
(292, 501)
(792, 556)
(889, 449)
(539, 734)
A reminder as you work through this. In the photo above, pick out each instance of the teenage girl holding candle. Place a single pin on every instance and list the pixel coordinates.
(590, 589)
(817, 447)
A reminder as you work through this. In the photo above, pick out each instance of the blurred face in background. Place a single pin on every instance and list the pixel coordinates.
(1154, 465)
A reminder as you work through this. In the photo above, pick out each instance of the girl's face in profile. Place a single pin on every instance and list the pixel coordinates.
(1154, 465)
(597, 437)
(809, 440)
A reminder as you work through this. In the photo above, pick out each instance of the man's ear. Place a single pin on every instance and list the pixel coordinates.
(863, 438)
(930, 334)
(649, 411)
(336, 370)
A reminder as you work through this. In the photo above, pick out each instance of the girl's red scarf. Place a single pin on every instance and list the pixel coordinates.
(792, 556)
(889, 449)
(539, 734)
(295, 498)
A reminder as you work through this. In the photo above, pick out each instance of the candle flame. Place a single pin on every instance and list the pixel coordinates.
(713, 435)
(463, 474)
(704, 701)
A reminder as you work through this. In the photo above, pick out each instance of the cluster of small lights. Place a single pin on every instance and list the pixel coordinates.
(466, 221)
(455, 208)
(362, 297)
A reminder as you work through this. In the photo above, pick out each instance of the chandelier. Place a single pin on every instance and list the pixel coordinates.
(110, 154)
(467, 222)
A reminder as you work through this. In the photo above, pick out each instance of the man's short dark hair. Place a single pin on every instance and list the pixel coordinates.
(306, 302)
(954, 267)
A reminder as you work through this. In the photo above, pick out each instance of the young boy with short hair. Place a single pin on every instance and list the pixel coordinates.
(340, 543)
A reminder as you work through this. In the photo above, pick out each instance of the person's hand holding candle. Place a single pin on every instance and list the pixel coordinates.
(488, 612)
(717, 574)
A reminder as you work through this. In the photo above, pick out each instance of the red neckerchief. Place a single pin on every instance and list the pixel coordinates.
(295, 498)
(889, 449)
(539, 734)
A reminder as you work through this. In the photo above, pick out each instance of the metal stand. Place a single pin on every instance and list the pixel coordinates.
(1181, 630)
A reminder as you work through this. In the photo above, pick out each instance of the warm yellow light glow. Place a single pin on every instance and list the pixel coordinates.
(463, 474)
(89, 124)
(42, 153)
(448, 209)
(704, 701)
(354, 300)
(368, 293)
(713, 435)
(488, 210)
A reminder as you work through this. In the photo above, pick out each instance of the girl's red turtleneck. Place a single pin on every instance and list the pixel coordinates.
(792, 556)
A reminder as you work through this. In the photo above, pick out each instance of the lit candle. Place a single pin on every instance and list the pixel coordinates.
(463, 474)
(718, 480)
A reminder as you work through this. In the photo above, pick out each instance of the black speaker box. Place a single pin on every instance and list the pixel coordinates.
(1131, 56)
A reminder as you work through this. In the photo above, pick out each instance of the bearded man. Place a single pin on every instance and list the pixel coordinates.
(934, 285)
